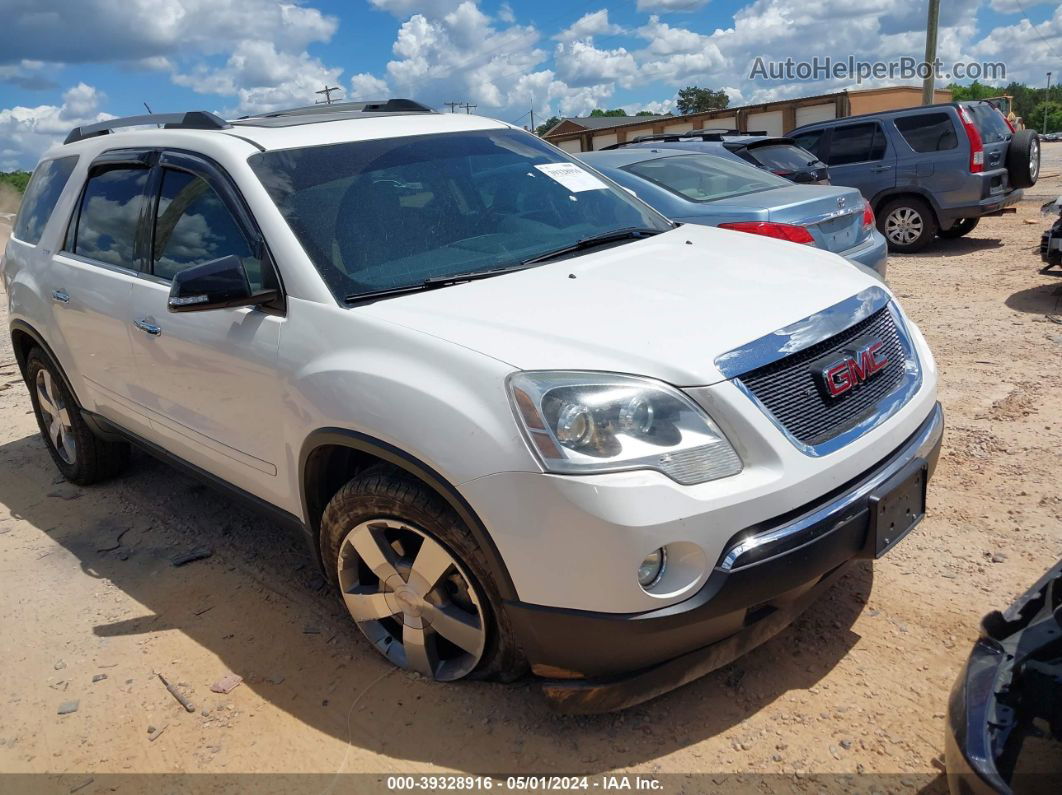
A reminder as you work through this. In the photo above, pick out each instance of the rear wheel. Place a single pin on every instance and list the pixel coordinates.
(81, 456)
(961, 227)
(414, 580)
(908, 224)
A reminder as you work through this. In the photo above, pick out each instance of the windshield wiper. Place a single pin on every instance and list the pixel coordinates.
(629, 233)
(434, 282)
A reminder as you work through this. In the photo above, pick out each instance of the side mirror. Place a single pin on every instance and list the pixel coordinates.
(218, 284)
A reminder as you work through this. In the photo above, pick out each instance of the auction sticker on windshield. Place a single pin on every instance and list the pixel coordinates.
(572, 177)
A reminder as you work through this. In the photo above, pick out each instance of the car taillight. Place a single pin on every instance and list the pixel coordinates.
(794, 234)
(868, 215)
(977, 149)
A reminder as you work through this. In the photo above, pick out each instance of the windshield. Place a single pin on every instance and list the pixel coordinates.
(396, 212)
(705, 178)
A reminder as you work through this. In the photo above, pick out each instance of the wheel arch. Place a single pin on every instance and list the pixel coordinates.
(24, 338)
(331, 456)
(889, 194)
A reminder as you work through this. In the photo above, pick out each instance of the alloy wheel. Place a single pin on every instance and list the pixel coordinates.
(1034, 159)
(412, 599)
(904, 225)
(55, 417)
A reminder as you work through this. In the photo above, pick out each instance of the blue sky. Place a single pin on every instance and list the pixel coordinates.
(64, 62)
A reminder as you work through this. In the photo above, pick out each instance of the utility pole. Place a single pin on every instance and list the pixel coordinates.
(468, 108)
(931, 51)
(532, 113)
(452, 105)
(327, 91)
(1047, 95)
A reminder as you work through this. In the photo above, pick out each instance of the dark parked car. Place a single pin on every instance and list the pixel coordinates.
(1005, 712)
(713, 191)
(930, 170)
(778, 155)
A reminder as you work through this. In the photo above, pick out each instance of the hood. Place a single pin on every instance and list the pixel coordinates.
(661, 307)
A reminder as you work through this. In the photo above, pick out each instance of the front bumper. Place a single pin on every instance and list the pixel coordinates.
(764, 579)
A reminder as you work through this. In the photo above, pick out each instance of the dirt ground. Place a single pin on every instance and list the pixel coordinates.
(859, 684)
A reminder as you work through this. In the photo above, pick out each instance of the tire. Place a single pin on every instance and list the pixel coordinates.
(1023, 159)
(81, 456)
(384, 536)
(961, 227)
(908, 224)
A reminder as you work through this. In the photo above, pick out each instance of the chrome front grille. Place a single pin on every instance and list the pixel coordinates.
(789, 391)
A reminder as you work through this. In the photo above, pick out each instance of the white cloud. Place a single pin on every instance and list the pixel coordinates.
(366, 86)
(1028, 50)
(26, 132)
(593, 24)
(581, 64)
(1016, 6)
(506, 13)
(261, 78)
(109, 31)
(406, 8)
(670, 5)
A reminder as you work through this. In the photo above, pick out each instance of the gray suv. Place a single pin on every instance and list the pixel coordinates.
(927, 171)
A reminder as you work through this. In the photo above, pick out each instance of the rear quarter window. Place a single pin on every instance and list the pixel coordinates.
(784, 158)
(990, 122)
(42, 193)
(928, 132)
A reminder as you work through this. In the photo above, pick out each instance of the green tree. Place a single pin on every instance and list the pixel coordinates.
(694, 99)
(613, 112)
(1035, 120)
(547, 125)
(16, 179)
(645, 113)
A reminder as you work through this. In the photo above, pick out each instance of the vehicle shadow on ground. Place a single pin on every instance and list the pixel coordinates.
(959, 247)
(1044, 299)
(259, 607)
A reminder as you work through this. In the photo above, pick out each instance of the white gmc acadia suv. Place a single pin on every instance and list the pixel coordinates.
(522, 419)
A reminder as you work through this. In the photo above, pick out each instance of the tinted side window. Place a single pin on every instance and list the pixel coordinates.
(811, 141)
(928, 132)
(42, 193)
(194, 226)
(110, 212)
(856, 143)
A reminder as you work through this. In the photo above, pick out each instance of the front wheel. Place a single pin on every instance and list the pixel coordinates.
(961, 227)
(414, 580)
(908, 224)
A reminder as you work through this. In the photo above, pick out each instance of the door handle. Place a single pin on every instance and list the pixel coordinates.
(62, 296)
(882, 168)
(148, 328)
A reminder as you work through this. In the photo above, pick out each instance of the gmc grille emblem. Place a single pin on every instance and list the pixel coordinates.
(838, 374)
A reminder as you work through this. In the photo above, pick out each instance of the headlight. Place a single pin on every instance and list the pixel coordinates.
(580, 423)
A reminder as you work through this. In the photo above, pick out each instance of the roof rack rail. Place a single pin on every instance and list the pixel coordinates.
(707, 134)
(191, 120)
(376, 106)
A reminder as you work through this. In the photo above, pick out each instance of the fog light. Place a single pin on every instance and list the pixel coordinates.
(652, 568)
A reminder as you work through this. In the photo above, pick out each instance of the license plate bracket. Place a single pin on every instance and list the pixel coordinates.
(896, 507)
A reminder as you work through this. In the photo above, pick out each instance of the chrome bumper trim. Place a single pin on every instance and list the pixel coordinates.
(919, 446)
